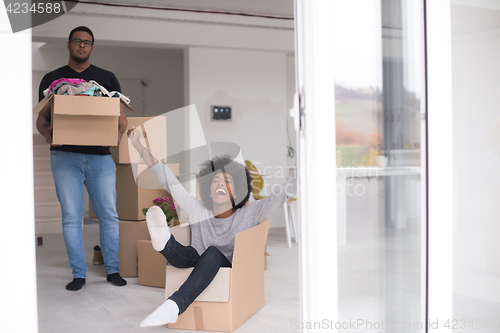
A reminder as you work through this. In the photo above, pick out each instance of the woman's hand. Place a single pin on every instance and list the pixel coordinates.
(135, 137)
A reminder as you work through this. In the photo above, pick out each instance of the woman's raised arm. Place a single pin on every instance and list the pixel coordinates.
(181, 196)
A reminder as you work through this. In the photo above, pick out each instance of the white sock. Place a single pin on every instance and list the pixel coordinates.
(165, 314)
(158, 227)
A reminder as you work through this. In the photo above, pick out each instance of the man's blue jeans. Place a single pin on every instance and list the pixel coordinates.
(98, 173)
(205, 269)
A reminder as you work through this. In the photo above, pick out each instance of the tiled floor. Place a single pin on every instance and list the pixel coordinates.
(104, 308)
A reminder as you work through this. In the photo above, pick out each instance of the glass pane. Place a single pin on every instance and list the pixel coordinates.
(379, 92)
(476, 136)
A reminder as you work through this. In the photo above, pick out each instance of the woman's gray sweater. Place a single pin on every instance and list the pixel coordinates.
(206, 230)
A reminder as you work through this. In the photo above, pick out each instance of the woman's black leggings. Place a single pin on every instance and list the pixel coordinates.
(205, 269)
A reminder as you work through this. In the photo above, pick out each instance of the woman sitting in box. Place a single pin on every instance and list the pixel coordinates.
(225, 187)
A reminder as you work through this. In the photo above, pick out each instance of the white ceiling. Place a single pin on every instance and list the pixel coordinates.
(260, 7)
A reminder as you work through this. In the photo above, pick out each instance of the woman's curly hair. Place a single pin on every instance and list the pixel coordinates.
(241, 178)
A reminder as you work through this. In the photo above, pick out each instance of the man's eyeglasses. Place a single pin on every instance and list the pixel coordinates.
(78, 41)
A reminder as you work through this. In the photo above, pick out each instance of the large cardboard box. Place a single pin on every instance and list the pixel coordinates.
(152, 265)
(130, 233)
(154, 130)
(235, 294)
(83, 120)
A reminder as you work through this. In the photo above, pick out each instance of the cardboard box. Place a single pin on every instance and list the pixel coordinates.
(217, 291)
(130, 233)
(145, 178)
(244, 285)
(152, 265)
(83, 120)
(131, 198)
(265, 259)
(154, 130)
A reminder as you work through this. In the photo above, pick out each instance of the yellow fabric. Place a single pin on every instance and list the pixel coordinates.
(257, 180)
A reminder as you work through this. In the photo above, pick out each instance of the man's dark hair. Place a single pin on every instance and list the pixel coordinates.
(81, 28)
(241, 178)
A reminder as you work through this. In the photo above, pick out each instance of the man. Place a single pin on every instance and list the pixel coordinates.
(92, 166)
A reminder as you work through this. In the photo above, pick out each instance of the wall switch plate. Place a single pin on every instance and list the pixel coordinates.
(220, 113)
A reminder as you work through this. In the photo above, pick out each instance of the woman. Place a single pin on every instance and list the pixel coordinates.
(225, 187)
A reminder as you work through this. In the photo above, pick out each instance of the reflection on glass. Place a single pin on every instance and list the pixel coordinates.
(379, 77)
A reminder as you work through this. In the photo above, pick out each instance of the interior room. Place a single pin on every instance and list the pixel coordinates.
(166, 60)
(248, 63)
(402, 145)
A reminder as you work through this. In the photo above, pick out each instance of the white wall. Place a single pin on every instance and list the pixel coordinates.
(254, 84)
(476, 132)
(18, 278)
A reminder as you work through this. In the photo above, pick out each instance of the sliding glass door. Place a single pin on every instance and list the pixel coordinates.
(372, 61)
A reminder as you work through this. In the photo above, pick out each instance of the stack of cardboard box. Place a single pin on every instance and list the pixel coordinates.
(136, 188)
